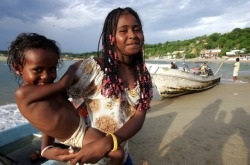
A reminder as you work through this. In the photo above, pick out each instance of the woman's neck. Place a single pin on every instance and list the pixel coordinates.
(125, 63)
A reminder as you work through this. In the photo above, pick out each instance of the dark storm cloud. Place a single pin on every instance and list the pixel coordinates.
(77, 24)
(30, 10)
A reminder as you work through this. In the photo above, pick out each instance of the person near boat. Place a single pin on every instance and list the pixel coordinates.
(173, 65)
(203, 69)
(236, 69)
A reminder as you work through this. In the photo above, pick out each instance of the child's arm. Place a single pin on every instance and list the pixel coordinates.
(36, 92)
(47, 141)
(55, 153)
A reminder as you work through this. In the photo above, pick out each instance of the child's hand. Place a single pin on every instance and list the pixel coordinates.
(72, 68)
(91, 152)
(75, 66)
(59, 154)
(70, 76)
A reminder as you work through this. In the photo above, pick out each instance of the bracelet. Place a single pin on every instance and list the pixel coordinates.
(50, 146)
(115, 143)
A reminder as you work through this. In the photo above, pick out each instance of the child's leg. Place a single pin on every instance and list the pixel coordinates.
(91, 135)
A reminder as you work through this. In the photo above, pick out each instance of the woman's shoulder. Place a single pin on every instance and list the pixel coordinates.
(99, 61)
(92, 63)
(92, 60)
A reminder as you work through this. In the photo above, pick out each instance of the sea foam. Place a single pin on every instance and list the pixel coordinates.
(10, 116)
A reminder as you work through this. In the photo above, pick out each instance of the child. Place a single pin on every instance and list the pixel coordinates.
(116, 88)
(34, 58)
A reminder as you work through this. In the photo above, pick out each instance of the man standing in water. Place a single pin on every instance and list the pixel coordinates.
(236, 69)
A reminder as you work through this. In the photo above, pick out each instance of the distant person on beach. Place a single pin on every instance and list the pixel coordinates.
(44, 103)
(116, 88)
(236, 69)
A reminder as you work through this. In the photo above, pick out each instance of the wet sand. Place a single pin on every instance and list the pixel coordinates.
(210, 127)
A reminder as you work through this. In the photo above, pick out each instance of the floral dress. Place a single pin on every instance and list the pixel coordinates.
(106, 114)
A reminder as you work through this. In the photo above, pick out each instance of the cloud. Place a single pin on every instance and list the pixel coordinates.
(77, 24)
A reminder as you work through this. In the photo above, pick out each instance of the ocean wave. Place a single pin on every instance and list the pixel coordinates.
(10, 116)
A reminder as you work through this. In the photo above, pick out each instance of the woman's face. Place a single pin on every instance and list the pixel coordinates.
(129, 37)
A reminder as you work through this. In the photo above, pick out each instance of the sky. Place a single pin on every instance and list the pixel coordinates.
(77, 24)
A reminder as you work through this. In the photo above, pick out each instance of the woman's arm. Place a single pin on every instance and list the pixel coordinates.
(132, 126)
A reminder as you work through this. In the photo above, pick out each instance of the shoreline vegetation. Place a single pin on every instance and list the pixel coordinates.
(218, 59)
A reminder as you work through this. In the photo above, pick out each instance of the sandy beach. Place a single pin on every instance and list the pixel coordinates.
(207, 128)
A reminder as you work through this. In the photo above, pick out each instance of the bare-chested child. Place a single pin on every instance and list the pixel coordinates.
(34, 60)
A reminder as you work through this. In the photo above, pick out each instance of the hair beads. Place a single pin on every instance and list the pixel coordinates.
(145, 86)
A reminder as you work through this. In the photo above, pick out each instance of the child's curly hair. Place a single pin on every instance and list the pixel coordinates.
(27, 41)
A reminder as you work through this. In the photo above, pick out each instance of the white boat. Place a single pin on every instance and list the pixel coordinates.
(21, 145)
(175, 82)
(18, 143)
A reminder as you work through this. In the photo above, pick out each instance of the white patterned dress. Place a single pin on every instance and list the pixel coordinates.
(105, 114)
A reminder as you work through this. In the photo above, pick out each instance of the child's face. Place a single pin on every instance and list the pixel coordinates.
(40, 67)
(129, 37)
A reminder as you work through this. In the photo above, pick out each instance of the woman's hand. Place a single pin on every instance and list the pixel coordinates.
(59, 154)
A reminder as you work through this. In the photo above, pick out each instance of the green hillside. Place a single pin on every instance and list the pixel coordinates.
(237, 39)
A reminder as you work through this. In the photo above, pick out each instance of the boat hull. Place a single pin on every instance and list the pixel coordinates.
(174, 82)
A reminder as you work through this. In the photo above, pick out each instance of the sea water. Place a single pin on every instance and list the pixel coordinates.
(9, 113)
(11, 117)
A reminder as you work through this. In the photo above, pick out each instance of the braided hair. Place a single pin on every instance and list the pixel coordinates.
(27, 41)
(112, 83)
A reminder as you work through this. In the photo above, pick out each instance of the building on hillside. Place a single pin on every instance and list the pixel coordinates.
(210, 53)
(233, 54)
